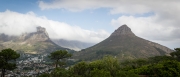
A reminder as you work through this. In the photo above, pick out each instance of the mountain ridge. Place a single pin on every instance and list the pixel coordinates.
(34, 43)
(124, 44)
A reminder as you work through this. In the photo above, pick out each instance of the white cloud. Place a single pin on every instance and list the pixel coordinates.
(149, 28)
(13, 23)
(116, 6)
(164, 22)
(162, 27)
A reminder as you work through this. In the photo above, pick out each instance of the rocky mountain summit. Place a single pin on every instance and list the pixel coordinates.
(34, 43)
(123, 30)
(39, 35)
(123, 44)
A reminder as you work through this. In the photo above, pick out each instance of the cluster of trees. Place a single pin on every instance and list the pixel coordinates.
(106, 67)
(109, 66)
(158, 66)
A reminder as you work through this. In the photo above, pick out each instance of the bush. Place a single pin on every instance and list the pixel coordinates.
(60, 72)
(161, 69)
(99, 73)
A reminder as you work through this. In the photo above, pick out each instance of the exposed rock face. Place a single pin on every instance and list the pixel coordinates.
(123, 44)
(39, 35)
(42, 30)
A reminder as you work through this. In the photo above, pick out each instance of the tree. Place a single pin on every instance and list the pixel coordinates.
(100, 73)
(8, 60)
(106, 67)
(169, 68)
(133, 64)
(176, 54)
(80, 69)
(60, 72)
(58, 56)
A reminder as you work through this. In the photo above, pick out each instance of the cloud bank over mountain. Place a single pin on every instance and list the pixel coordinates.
(115, 6)
(153, 20)
(13, 23)
(163, 32)
(156, 21)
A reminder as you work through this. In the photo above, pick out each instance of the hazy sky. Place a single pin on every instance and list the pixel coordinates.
(93, 20)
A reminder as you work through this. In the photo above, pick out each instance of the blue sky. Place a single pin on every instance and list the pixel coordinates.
(88, 19)
(93, 20)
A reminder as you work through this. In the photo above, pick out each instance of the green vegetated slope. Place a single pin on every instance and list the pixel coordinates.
(109, 66)
(123, 44)
(38, 47)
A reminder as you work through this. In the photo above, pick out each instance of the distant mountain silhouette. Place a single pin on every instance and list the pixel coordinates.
(75, 45)
(123, 44)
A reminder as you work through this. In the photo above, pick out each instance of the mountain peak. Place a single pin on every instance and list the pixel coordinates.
(123, 30)
(42, 30)
(125, 45)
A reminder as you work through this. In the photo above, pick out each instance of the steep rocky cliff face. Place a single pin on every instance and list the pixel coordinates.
(123, 44)
(35, 43)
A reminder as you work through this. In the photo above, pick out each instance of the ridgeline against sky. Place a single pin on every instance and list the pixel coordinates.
(123, 44)
(93, 20)
(34, 43)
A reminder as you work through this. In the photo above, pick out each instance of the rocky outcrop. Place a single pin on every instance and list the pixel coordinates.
(39, 35)
(42, 30)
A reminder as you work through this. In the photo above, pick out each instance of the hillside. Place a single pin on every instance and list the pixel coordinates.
(34, 43)
(123, 44)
